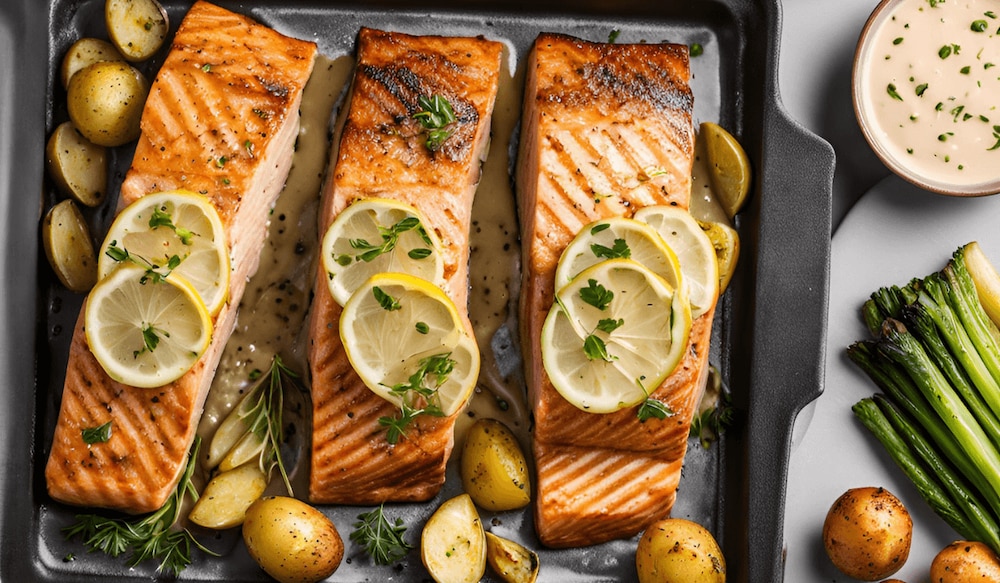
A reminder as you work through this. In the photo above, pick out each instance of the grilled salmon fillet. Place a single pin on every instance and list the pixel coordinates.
(598, 120)
(227, 82)
(383, 154)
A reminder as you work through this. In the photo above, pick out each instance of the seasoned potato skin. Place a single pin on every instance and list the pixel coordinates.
(965, 562)
(78, 167)
(105, 102)
(83, 52)
(494, 469)
(292, 541)
(867, 533)
(66, 238)
(675, 550)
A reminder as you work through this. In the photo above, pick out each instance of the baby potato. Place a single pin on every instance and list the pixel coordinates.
(68, 247)
(965, 562)
(83, 52)
(494, 469)
(511, 561)
(867, 533)
(453, 542)
(675, 550)
(105, 102)
(136, 27)
(291, 540)
(78, 167)
(227, 496)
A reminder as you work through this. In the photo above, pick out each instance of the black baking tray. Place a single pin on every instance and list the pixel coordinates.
(769, 336)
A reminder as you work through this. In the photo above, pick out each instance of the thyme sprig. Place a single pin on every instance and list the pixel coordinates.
(153, 271)
(390, 237)
(149, 537)
(416, 398)
(162, 218)
(435, 115)
(382, 539)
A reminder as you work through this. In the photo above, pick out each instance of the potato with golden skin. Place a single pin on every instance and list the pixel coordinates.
(292, 541)
(675, 550)
(494, 469)
(105, 102)
(867, 533)
(78, 167)
(66, 238)
(965, 562)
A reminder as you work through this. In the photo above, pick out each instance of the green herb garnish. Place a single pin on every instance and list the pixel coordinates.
(435, 115)
(99, 434)
(390, 237)
(596, 295)
(652, 407)
(387, 302)
(381, 538)
(416, 398)
(891, 90)
(619, 250)
(162, 218)
(149, 537)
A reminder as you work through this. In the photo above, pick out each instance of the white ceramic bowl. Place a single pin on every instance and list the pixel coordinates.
(867, 90)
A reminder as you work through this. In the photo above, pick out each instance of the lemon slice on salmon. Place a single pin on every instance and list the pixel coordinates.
(694, 251)
(407, 342)
(613, 335)
(177, 232)
(379, 236)
(618, 238)
(146, 332)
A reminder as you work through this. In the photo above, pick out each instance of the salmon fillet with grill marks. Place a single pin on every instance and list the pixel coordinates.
(382, 154)
(227, 82)
(606, 130)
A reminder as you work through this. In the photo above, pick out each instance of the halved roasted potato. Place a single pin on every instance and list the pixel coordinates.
(453, 542)
(512, 562)
(68, 247)
(494, 469)
(105, 102)
(136, 27)
(84, 52)
(227, 496)
(78, 166)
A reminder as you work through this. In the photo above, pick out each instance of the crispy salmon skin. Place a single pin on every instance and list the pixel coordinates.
(227, 81)
(606, 130)
(383, 154)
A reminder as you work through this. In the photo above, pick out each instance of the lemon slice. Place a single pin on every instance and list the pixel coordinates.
(694, 250)
(726, 242)
(397, 329)
(603, 360)
(618, 238)
(146, 334)
(729, 167)
(377, 236)
(173, 226)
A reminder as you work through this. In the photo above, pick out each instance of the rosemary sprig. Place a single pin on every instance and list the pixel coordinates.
(149, 537)
(435, 116)
(261, 412)
(416, 398)
(382, 539)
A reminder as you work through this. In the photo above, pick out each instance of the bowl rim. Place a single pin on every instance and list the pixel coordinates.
(861, 115)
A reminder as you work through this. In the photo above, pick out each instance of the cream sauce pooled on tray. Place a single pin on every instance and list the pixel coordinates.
(931, 84)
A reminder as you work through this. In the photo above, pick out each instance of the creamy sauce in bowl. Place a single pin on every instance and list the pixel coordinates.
(927, 92)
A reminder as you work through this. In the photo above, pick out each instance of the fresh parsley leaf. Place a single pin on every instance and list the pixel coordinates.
(99, 434)
(609, 325)
(596, 349)
(596, 295)
(651, 408)
(619, 250)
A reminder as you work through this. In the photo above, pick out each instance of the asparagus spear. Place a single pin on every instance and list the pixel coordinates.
(980, 524)
(900, 345)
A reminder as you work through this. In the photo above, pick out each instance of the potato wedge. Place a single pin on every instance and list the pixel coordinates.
(68, 247)
(291, 540)
(227, 496)
(675, 550)
(78, 166)
(105, 102)
(84, 52)
(494, 469)
(136, 27)
(511, 561)
(453, 542)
